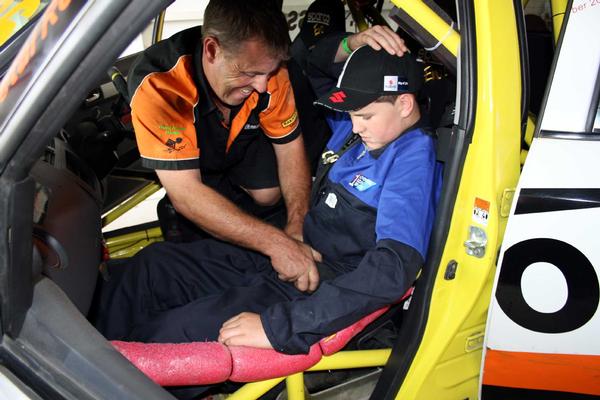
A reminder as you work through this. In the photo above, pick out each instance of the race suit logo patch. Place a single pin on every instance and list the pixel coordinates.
(331, 200)
(361, 183)
(290, 120)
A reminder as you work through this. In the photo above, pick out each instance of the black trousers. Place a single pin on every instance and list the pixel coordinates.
(173, 293)
(182, 292)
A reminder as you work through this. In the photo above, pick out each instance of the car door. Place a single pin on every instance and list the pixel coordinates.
(543, 324)
(48, 349)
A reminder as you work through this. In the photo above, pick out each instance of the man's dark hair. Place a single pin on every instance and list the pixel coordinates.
(235, 21)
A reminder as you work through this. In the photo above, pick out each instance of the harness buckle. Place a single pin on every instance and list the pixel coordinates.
(329, 157)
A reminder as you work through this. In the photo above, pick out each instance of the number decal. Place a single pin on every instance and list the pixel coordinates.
(582, 282)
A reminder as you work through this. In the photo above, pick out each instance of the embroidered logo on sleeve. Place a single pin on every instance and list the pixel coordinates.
(171, 129)
(174, 145)
(290, 120)
(361, 183)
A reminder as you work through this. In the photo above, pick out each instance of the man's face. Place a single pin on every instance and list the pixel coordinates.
(236, 76)
(377, 123)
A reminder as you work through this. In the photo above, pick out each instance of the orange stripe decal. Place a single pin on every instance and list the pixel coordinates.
(557, 372)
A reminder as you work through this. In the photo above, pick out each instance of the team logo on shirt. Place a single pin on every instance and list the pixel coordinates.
(361, 183)
(172, 145)
(290, 120)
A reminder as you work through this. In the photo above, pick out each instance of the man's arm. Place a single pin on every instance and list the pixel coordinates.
(378, 37)
(292, 259)
(294, 178)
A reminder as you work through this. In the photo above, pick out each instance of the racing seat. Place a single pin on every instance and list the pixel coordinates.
(206, 363)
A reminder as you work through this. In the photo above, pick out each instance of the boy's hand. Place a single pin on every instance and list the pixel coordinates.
(378, 37)
(244, 329)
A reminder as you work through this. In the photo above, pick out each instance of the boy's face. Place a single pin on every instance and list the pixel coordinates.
(378, 123)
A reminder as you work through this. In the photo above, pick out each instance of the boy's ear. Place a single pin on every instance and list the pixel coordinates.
(405, 103)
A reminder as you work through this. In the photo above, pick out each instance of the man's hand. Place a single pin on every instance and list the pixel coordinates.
(294, 230)
(309, 281)
(378, 37)
(294, 261)
(244, 329)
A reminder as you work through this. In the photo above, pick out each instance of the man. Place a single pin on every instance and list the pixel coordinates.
(322, 18)
(214, 115)
(371, 217)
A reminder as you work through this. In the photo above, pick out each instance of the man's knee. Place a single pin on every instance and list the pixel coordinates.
(265, 197)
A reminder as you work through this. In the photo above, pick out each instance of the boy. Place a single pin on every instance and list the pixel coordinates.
(370, 220)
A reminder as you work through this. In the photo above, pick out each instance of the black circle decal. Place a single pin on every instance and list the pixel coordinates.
(582, 283)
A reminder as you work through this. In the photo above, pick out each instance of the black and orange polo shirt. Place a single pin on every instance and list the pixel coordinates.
(177, 124)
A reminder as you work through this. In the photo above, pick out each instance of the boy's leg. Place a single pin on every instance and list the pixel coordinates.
(200, 320)
(165, 276)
